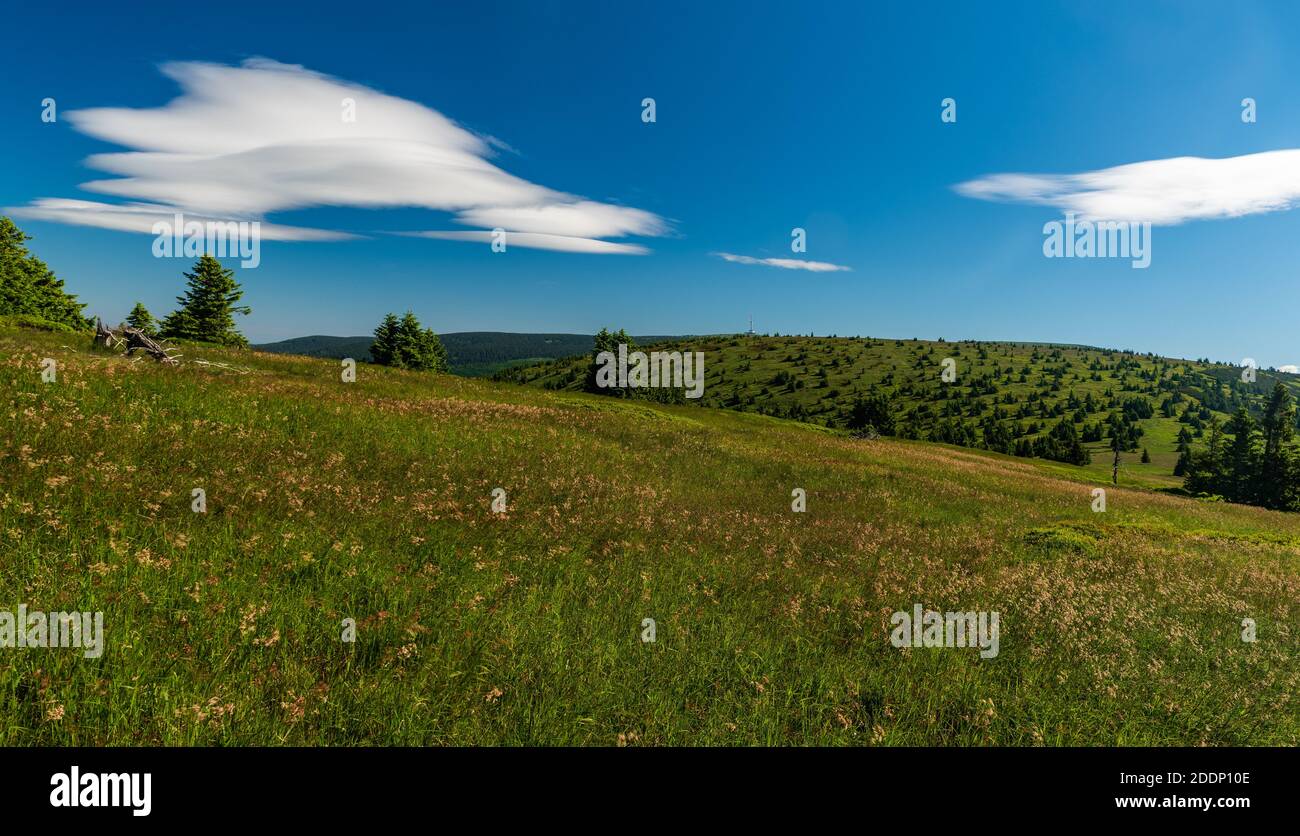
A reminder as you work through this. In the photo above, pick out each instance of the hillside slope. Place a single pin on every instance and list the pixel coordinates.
(372, 501)
(471, 353)
(1025, 388)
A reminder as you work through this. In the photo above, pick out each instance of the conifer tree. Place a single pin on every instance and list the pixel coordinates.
(1204, 470)
(419, 347)
(140, 319)
(1242, 460)
(28, 287)
(875, 412)
(207, 309)
(383, 349)
(1275, 489)
(607, 340)
(405, 344)
(1062, 444)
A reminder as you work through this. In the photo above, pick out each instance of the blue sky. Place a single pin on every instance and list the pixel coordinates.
(769, 117)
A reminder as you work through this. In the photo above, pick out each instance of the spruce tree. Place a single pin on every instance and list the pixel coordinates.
(405, 344)
(384, 347)
(1242, 458)
(207, 309)
(1204, 471)
(1067, 440)
(1278, 427)
(420, 348)
(28, 287)
(140, 319)
(875, 412)
(607, 340)
(408, 353)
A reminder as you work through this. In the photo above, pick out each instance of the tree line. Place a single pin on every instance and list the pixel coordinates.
(205, 312)
(29, 288)
(608, 341)
(1248, 460)
(405, 344)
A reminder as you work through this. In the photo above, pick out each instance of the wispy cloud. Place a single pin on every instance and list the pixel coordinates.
(537, 241)
(140, 217)
(1289, 369)
(1167, 192)
(785, 263)
(244, 141)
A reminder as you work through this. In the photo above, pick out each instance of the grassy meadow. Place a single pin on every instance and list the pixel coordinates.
(815, 379)
(372, 501)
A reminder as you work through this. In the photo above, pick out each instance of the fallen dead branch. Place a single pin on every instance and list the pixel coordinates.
(227, 366)
(133, 339)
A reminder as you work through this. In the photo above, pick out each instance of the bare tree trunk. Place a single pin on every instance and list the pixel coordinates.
(103, 334)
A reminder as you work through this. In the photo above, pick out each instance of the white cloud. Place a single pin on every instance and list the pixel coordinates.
(1289, 369)
(1167, 192)
(140, 217)
(538, 241)
(245, 141)
(785, 263)
(583, 218)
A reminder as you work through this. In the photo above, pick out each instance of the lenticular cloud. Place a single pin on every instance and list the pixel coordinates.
(262, 137)
(1169, 191)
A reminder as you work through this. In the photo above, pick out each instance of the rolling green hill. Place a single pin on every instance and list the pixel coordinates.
(372, 501)
(1024, 388)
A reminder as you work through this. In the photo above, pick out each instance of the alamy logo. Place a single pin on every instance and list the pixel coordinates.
(55, 629)
(659, 369)
(1098, 239)
(108, 789)
(180, 238)
(928, 628)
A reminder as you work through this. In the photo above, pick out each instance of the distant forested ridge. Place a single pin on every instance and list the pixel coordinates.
(474, 352)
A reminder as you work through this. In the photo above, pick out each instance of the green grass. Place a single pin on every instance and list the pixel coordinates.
(740, 373)
(372, 500)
